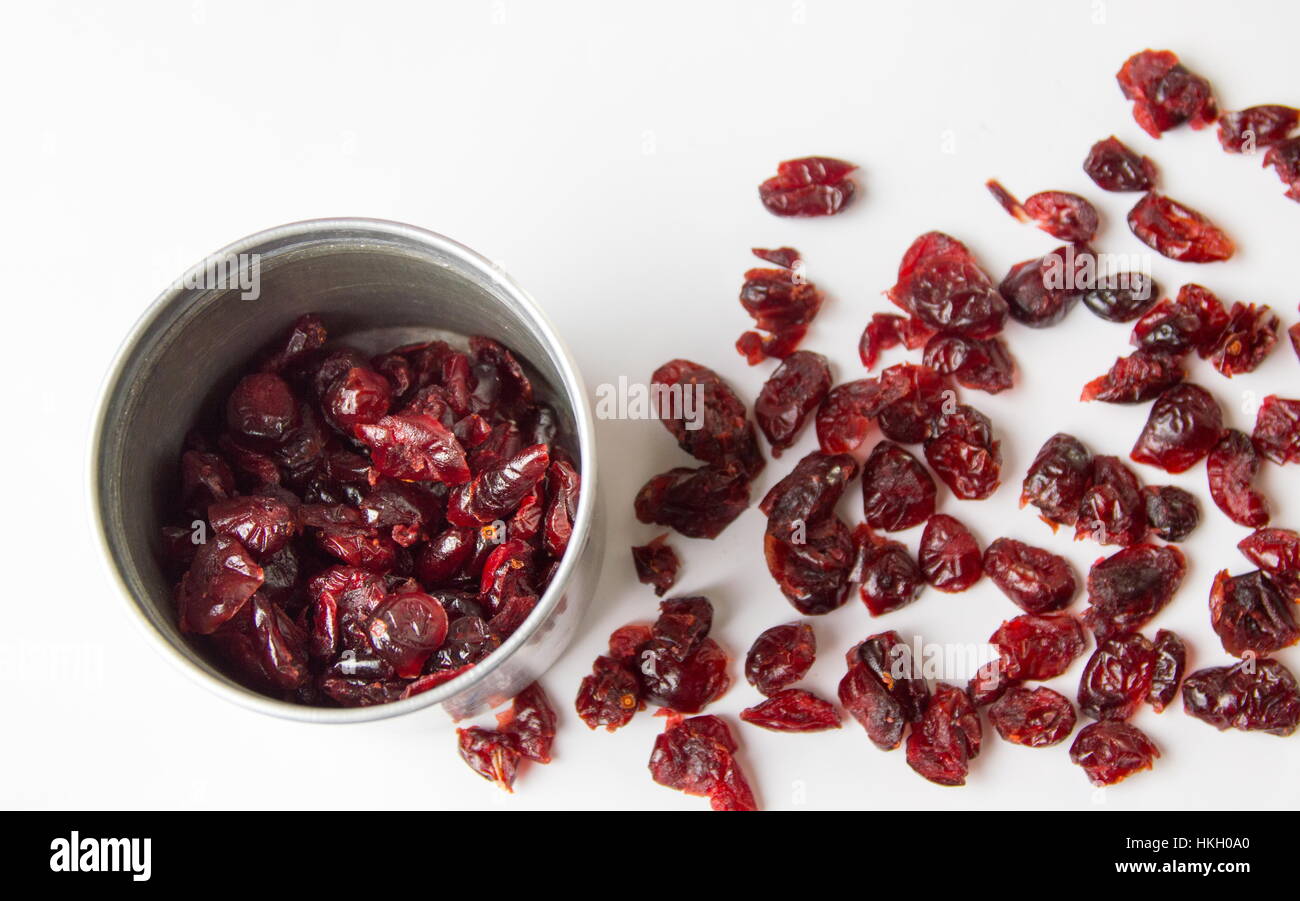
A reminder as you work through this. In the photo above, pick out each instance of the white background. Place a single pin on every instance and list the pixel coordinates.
(607, 155)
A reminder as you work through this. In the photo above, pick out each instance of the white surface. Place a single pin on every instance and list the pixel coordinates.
(607, 155)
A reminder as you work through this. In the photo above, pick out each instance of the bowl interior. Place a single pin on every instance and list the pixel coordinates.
(373, 291)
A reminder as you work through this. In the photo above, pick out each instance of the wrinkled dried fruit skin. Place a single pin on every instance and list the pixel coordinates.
(1038, 647)
(880, 689)
(1058, 479)
(810, 492)
(982, 364)
(794, 390)
(785, 257)
(1165, 93)
(813, 574)
(1171, 663)
(1114, 167)
(888, 330)
(1185, 423)
(405, 629)
(684, 685)
(940, 284)
(989, 683)
(1284, 157)
(262, 524)
(1253, 695)
(415, 448)
(1178, 231)
(610, 695)
(781, 302)
(1111, 750)
(493, 755)
(1117, 678)
(697, 756)
(1232, 466)
(683, 624)
(656, 564)
(1172, 513)
(897, 491)
(531, 720)
(915, 397)
(725, 435)
(1042, 292)
(1128, 588)
(941, 746)
(1121, 297)
(949, 556)
(845, 415)
(1141, 376)
(962, 452)
(1113, 509)
(1251, 615)
(1193, 320)
(262, 407)
(697, 503)
(497, 491)
(890, 660)
(1064, 216)
(1035, 718)
(1277, 552)
(888, 578)
(793, 710)
(218, 584)
(1257, 126)
(1277, 430)
(1036, 580)
(808, 186)
(1246, 339)
(780, 657)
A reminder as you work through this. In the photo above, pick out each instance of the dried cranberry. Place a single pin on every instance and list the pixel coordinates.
(955, 296)
(881, 689)
(1114, 167)
(610, 696)
(1165, 93)
(1036, 580)
(697, 756)
(218, 584)
(497, 491)
(785, 257)
(1184, 425)
(913, 398)
(262, 524)
(1117, 678)
(963, 453)
(887, 576)
(1277, 552)
(1251, 615)
(1111, 750)
(307, 333)
(262, 407)
(1064, 216)
(683, 624)
(1192, 321)
(794, 390)
(1284, 157)
(808, 186)
(1141, 376)
(1129, 587)
(897, 491)
(1033, 717)
(1113, 509)
(698, 503)
(781, 302)
(949, 556)
(983, 364)
(416, 448)
(1058, 479)
(1120, 297)
(684, 685)
(406, 629)
(1232, 466)
(1171, 662)
(360, 395)
(1042, 292)
(989, 683)
(887, 330)
(1257, 126)
(656, 564)
(810, 492)
(532, 721)
(1253, 695)
(947, 738)
(846, 414)
(624, 641)
(1178, 231)
(780, 657)
(811, 564)
(1172, 513)
(721, 432)
(265, 646)
(493, 755)
(1038, 647)
(793, 710)
(1277, 429)
(1245, 340)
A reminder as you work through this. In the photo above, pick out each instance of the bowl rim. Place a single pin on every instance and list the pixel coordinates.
(285, 238)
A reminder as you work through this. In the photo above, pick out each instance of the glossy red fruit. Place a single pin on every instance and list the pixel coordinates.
(406, 629)
(262, 407)
(1058, 478)
(697, 503)
(912, 399)
(1246, 339)
(1064, 216)
(793, 710)
(1120, 297)
(888, 330)
(1038, 647)
(897, 491)
(1232, 466)
(684, 685)
(683, 624)
(845, 416)
(887, 576)
(697, 756)
(811, 565)
(1128, 588)
(416, 448)
(1141, 376)
(941, 746)
(1253, 696)
(1033, 717)
(724, 434)
(810, 492)
(1111, 750)
(359, 395)
(808, 186)
(656, 564)
(1178, 231)
(1114, 167)
(1113, 509)
(1171, 663)
(1191, 321)
(611, 695)
(1165, 93)
(1257, 126)
(1277, 429)
(531, 720)
(262, 524)
(963, 453)
(1251, 615)
(1036, 580)
(1277, 552)
(982, 364)
(989, 683)
(882, 689)
(265, 647)
(1117, 678)
(497, 491)
(218, 584)
(493, 755)
(1172, 513)
(789, 396)
(782, 303)
(785, 257)
(1284, 157)
(780, 657)
(1184, 425)
(949, 556)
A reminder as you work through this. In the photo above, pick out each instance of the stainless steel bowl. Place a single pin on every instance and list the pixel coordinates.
(376, 284)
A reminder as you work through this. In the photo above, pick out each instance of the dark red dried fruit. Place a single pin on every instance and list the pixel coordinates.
(531, 720)
(1128, 588)
(683, 624)
(359, 395)
(791, 393)
(493, 755)
(656, 564)
(1251, 615)
(1256, 126)
(262, 407)
(1248, 337)
(940, 284)
(610, 696)
(1036, 580)
(1033, 717)
(793, 710)
(1114, 167)
(785, 257)
(1113, 509)
(1111, 750)
(887, 330)
(1277, 429)
(405, 629)
(1184, 425)
(1192, 321)
(887, 576)
(947, 738)
(497, 491)
(845, 415)
(218, 584)
(811, 563)
(1064, 216)
(949, 556)
(1165, 93)
(685, 685)
(1120, 297)
(1171, 662)
(1058, 479)
(808, 186)
(1117, 678)
(911, 400)
(697, 756)
(882, 690)
(1038, 647)
(988, 684)
(810, 492)
(1232, 466)
(265, 648)
(1284, 157)
(781, 302)
(897, 491)
(780, 657)
(982, 364)
(262, 524)
(1277, 552)
(698, 503)
(415, 448)
(963, 453)
(720, 433)
(1253, 695)
(1042, 292)
(1141, 376)
(1178, 231)
(1172, 513)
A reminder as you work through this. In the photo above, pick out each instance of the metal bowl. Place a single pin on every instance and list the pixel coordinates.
(376, 284)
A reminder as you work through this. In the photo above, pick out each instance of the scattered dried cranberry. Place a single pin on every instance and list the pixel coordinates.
(887, 576)
(1036, 580)
(897, 491)
(785, 257)
(697, 756)
(1245, 340)
(887, 330)
(532, 721)
(1141, 376)
(793, 710)
(1039, 292)
(1064, 216)
(1058, 479)
(1251, 615)
(989, 683)
(794, 390)
(1121, 296)
(1128, 588)
(1165, 93)
(686, 686)
(1184, 425)
(1111, 750)
(941, 746)
(1192, 321)
(1232, 466)
(1114, 167)
(1113, 509)
(940, 284)
(913, 397)
(1033, 717)
(1253, 695)
(697, 503)
(1277, 429)
(810, 492)
(845, 415)
(1257, 126)
(812, 564)
(1117, 678)
(963, 453)
(1277, 552)
(1171, 662)
(1038, 647)
(1172, 513)
(782, 302)
(949, 556)
(1178, 231)
(656, 564)
(610, 696)
(982, 364)
(720, 432)
(493, 755)
(882, 689)
(780, 657)
(1284, 157)
(808, 186)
